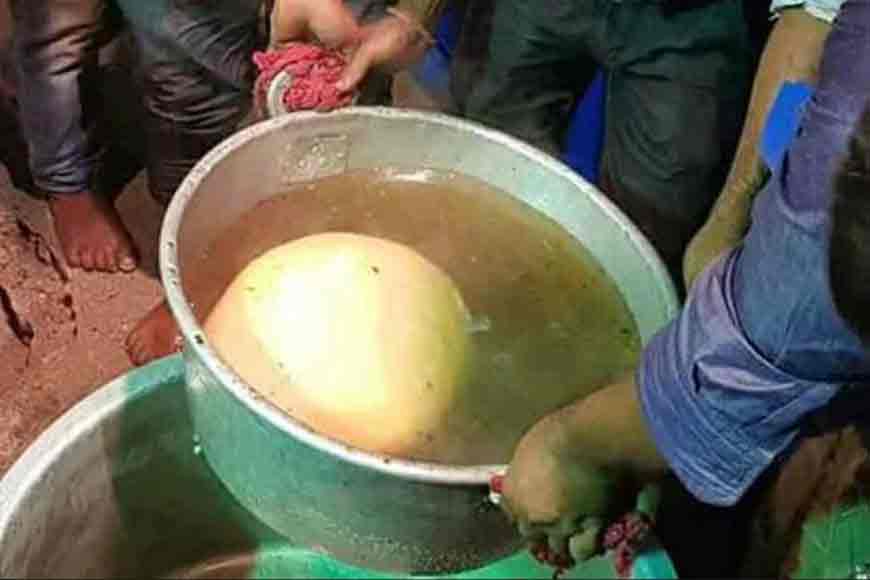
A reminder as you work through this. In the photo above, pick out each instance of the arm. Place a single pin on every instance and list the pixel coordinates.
(793, 53)
(608, 430)
(580, 467)
(332, 22)
(393, 42)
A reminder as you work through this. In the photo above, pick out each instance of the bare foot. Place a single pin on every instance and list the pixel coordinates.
(92, 234)
(156, 336)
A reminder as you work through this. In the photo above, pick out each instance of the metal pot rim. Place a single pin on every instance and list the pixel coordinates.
(195, 337)
(275, 95)
(83, 418)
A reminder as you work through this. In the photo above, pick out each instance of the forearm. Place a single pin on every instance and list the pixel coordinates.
(608, 429)
(297, 19)
(793, 53)
(219, 36)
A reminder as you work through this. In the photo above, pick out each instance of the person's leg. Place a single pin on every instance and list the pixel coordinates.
(676, 97)
(827, 471)
(717, 552)
(120, 127)
(196, 70)
(197, 77)
(13, 149)
(534, 70)
(56, 47)
(472, 45)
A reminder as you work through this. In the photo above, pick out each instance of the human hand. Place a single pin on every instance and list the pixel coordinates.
(556, 499)
(391, 44)
(328, 21)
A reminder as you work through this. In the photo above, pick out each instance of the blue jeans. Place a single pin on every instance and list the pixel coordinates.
(194, 67)
(195, 71)
(759, 346)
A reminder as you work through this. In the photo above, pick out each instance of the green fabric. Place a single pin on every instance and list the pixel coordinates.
(283, 562)
(837, 545)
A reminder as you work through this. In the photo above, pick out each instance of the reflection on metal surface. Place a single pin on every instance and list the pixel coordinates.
(112, 490)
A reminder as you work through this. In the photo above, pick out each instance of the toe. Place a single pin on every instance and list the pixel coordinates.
(139, 347)
(125, 260)
(132, 340)
(87, 260)
(105, 261)
(74, 258)
(140, 356)
(134, 349)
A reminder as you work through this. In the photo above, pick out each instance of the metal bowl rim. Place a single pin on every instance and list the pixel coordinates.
(86, 416)
(196, 340)
(275, 97)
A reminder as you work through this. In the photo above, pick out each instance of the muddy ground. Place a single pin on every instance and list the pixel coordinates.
(61, 332)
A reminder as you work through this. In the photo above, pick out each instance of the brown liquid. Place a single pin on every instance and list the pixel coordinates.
(550, 326)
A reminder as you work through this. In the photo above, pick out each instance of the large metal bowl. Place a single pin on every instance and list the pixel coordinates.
(374, 511)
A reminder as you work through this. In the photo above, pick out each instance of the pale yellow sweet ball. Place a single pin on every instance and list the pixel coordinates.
(360, 338)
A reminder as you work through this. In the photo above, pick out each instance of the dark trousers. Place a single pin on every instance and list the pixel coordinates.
(194, 72)
(677, 92)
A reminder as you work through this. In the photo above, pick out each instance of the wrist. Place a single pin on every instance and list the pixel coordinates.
(575, 437)
(608, 430)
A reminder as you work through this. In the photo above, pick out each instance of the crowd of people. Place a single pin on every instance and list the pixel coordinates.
(770, 245)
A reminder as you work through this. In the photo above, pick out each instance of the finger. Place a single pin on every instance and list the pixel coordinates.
(357, 69)
(558, 535)
(506, 493)
(558, 543)
(585, 544)
(506, 510)
(533, 531)
(498, 498)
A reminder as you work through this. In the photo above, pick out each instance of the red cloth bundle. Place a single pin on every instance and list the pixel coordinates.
(315, 71)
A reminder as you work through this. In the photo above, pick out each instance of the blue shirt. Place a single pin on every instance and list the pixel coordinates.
(759, 344)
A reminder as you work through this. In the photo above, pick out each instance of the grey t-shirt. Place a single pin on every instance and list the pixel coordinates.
(826, 10)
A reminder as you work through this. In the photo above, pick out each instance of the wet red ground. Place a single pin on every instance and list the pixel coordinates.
(61, 333)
